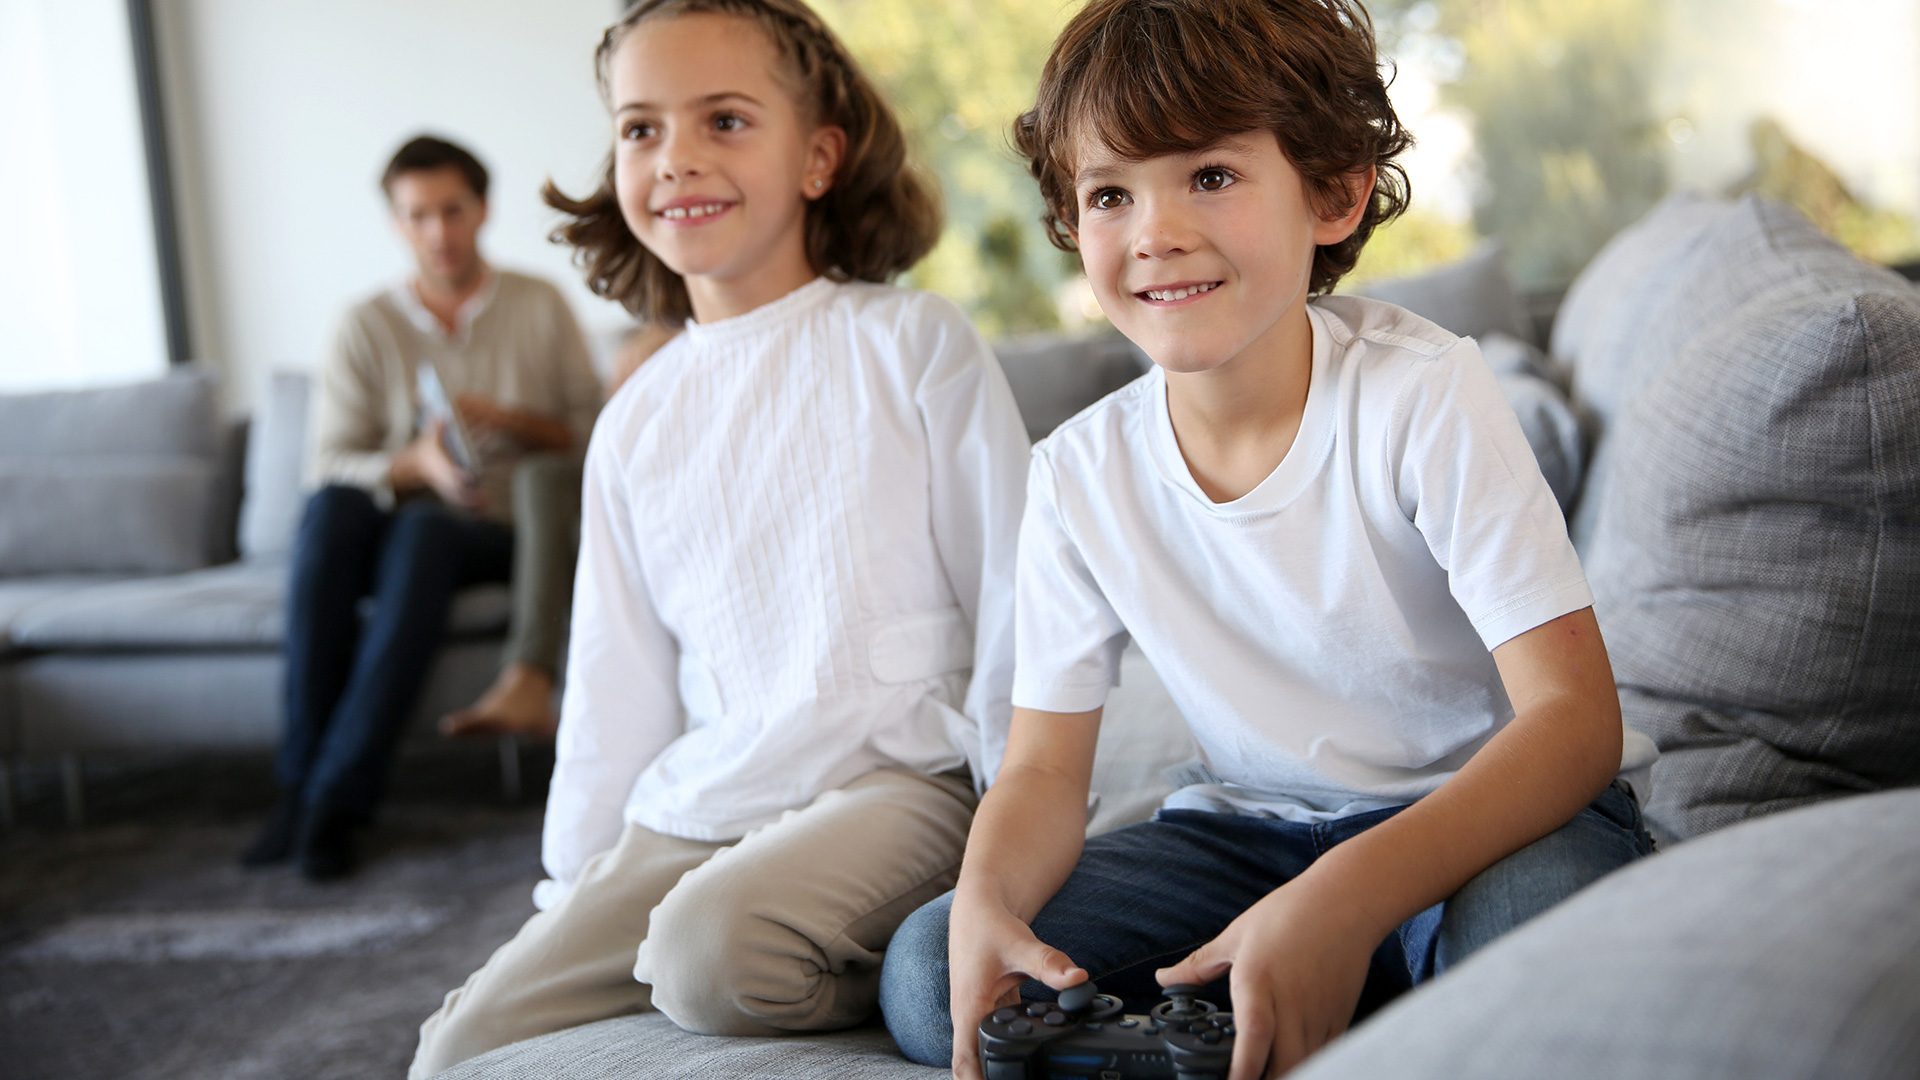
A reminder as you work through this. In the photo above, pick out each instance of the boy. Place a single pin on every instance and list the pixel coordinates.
(1322, 525)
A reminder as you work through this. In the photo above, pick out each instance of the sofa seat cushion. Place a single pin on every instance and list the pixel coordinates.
(1782, 948)
(650, 1045)
(236, 606)
(19, 595)
(1756, 562)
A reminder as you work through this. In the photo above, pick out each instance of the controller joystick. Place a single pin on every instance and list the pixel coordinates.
(1075, 998)
(1084, 1034)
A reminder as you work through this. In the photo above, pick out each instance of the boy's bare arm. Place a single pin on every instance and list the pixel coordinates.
(1298, 958)
(1032, 822)
(1025, 841)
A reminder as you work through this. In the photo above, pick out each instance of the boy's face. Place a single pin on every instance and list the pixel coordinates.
(1200, 257)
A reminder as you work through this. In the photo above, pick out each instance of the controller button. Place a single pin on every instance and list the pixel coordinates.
(1006, 1016)
(1020, 1027)
(1210, 1037)
(1039, 1008)
(1227, 1031)
(1054, 1019)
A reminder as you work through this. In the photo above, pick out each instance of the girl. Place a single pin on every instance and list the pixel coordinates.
(798, 537)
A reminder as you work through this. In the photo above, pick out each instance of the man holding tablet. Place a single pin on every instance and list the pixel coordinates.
(436, 390)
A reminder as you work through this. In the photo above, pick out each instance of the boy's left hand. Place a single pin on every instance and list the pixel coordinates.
(1297, 964)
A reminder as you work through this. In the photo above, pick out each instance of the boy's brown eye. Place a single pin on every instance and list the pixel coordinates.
(1109, 199)
(1212, 179)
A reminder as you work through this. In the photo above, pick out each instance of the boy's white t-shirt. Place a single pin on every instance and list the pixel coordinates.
(1327, 635)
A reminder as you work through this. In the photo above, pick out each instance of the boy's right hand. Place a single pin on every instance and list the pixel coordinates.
(991, 953)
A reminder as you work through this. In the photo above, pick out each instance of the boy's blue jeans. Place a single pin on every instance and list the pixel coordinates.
(1145, 896)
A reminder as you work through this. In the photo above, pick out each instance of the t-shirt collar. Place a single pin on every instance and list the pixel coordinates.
(1295, 471)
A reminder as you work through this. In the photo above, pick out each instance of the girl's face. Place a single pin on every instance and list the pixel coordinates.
(714, 161)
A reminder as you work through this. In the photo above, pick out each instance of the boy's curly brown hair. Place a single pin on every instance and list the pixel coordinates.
(1154, 77)
(878, 218)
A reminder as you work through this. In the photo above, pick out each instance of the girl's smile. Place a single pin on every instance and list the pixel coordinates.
(715, 160)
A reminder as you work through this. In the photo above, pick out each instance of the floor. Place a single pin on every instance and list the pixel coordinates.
(135, 946)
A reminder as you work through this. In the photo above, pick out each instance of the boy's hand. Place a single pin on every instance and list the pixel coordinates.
(1297, 965)
(992, 952)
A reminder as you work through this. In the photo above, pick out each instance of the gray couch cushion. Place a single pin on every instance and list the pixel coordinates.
(275, 478)
(110, 514)
(20, 595)
(1054, 376)
(238, 606)
(1545, 415)
(118, 479)
(177, 415)
(1784, 948)
(1473, 297)
(1756, 564)
(650, 1045)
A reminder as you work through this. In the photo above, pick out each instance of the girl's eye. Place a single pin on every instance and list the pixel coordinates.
(637, 131)
(729, 122)
(1107, 199)
(1213, 179)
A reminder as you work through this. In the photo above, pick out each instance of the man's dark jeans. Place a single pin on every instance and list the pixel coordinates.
(353, 681)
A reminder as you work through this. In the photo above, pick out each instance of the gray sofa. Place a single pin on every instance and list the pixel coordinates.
(143, 558)
(1748, 400)
(143, 546)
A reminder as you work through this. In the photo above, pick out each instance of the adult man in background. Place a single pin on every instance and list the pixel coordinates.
(413, 505)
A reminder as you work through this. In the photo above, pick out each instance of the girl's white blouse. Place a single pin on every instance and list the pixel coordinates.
(796, 567)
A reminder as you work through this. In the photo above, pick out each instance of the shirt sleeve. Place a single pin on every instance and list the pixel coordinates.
(1468, 480)
(622, 706)
(1067, 636)
(977, 445)
(350, 417)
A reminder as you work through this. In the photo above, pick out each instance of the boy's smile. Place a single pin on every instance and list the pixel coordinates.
(1200, 257)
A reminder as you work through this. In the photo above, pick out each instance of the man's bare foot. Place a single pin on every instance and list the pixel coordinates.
(520, 702)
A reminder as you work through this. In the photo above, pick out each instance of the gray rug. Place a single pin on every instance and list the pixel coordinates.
(136, 946)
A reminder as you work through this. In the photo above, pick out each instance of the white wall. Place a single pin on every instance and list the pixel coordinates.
(283, 114)
(79, 285)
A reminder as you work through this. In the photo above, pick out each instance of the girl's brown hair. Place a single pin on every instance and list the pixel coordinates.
(877, 218)
(1154, 77)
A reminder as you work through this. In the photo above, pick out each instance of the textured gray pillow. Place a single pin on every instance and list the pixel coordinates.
(1473, 297)
(109, 515)
(275, 473)
(1756, 564)
(1779, 950)
(1622, 320)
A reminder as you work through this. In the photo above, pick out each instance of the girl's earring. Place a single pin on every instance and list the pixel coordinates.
(818, 184)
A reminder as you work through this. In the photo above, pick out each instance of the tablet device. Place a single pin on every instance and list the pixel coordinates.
(436, 405)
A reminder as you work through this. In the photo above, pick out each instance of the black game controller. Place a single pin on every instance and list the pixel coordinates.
(1084, 1034)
